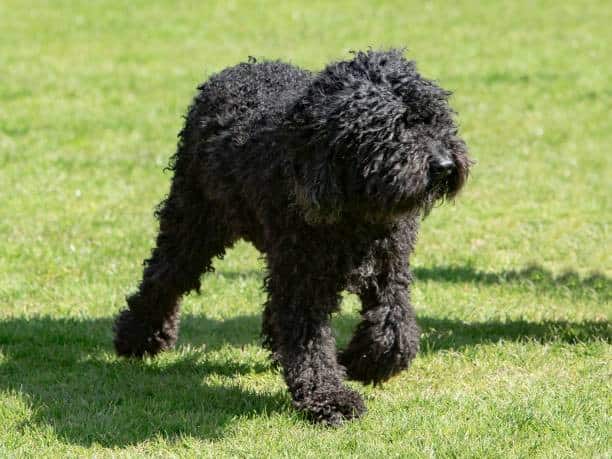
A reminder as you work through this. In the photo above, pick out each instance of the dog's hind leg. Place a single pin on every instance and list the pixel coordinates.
(387, 338)
(190, 236)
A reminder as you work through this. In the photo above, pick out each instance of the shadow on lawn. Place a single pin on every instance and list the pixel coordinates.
(64, 371)
(446, 334)
(533, 278)
(63, 367)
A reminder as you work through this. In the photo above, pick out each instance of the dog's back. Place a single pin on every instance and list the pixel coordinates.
(231, 114)
(241, 100)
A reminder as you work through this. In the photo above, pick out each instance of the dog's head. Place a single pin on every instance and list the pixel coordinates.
(373, 139)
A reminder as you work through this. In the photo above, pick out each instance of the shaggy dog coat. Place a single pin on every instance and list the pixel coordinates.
(328, 175)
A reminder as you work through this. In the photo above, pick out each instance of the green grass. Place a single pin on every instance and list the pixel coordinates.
(513, 286)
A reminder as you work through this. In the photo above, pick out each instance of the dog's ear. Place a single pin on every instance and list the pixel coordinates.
(311, 158)
(335, 125)
(344, 117)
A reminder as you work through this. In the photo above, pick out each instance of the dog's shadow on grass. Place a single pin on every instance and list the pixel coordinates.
(533, 278)
(66, 373)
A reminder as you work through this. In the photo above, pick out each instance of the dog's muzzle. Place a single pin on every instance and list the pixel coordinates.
(441, 168)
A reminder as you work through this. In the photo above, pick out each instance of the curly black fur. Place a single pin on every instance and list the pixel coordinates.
(327, 174)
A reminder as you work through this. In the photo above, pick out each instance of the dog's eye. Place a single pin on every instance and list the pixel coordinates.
(427, 118)
(412, 119)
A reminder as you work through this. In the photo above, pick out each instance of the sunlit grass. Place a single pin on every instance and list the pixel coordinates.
(513, 285)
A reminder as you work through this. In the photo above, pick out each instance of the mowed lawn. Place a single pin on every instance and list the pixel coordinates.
(513, 282)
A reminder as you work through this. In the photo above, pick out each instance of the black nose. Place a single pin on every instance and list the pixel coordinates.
(441, 167)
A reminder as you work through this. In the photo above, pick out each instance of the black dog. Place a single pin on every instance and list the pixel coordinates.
(327, 174)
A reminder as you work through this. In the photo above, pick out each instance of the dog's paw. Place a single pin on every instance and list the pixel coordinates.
(135, 338)
(371, 367)
(377, 353)
(332, 407)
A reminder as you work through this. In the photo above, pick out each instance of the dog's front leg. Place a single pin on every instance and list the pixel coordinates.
(387, 338)
(298, 320)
